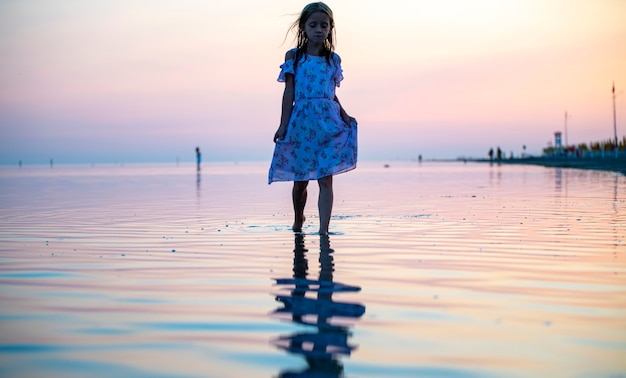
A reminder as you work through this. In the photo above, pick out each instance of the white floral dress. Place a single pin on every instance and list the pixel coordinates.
(318, 143)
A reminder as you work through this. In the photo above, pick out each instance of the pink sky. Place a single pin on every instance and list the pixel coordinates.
(112, 81)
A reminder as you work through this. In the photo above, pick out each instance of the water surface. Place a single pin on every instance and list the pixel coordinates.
(431, 270)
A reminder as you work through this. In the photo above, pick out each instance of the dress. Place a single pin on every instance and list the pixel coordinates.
(318, 143)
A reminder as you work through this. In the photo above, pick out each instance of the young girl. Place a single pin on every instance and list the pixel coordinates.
(316, 138)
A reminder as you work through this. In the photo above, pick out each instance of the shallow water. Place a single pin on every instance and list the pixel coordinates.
(431, 270)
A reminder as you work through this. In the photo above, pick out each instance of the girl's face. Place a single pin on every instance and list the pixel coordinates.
(317, 27)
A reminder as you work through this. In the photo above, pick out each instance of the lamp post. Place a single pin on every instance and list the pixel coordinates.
(615, 122)
(565, 126)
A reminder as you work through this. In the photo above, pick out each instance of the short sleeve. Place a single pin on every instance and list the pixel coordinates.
(286, 68)
(338, 76)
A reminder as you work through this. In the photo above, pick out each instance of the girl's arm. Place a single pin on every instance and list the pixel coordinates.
(342, 112)
(287, 107)
(287, 104)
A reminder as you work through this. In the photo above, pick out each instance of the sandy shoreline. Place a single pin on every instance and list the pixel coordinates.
(597, 163)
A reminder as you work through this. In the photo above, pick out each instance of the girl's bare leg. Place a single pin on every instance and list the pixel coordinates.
(325, 202)
(298, 195)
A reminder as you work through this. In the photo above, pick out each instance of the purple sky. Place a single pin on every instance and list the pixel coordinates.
(102, 81)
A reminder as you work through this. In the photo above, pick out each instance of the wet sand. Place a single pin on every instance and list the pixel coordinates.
(433, 270)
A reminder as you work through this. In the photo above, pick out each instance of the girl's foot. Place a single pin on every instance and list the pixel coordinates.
(297, 225)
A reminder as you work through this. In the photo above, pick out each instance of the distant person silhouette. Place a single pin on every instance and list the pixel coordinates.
(491, 154)
(198, 158)
(499, 153)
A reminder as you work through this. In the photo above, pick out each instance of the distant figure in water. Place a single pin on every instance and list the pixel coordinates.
(198, 158)
(499, 153)
(491, 154)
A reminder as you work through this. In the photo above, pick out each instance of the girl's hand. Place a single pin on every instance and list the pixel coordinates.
(349, 120)
(280, 133)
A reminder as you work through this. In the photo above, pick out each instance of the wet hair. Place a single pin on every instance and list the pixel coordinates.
(302, 39)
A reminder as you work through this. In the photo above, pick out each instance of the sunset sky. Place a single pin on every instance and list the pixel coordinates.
(149, 80)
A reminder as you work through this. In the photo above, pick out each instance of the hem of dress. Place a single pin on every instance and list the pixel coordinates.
(339, 171)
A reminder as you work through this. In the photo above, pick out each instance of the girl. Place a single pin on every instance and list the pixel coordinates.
(316, 138)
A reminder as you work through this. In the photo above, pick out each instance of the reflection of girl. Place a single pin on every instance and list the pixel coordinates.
(316, 138)
(310, 303)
